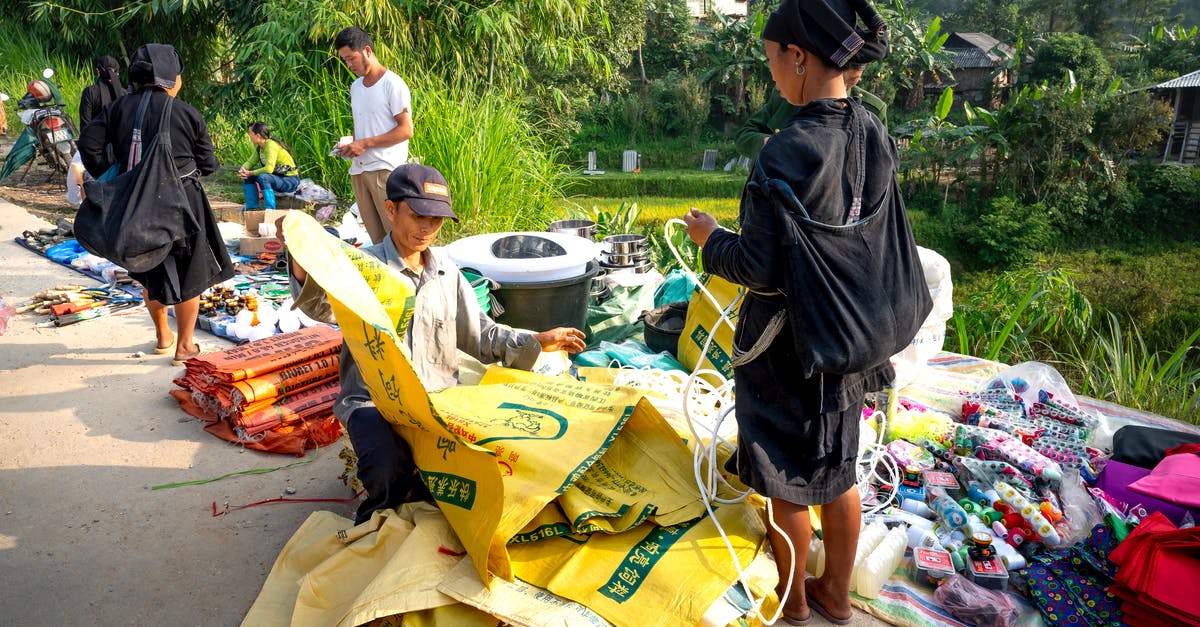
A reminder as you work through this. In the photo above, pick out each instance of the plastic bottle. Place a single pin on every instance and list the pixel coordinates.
(878, 566)
(868, 539)
(1012, 559)
(918, 537)
(914, 506)
(815, 563)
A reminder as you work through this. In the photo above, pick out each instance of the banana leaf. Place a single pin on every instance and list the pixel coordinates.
(21, 153)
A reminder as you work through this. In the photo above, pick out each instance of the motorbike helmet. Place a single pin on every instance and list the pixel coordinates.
(40, 90)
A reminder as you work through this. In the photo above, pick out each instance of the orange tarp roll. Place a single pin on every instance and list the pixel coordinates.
(284, 381)
(275, 394)
(262, 356)
(294, 408)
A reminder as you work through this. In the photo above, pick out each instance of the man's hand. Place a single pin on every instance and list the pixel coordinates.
(699, 225)
(297, 272)
(353, 149)
(561, 339)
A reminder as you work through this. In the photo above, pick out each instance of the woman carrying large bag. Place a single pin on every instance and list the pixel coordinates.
(835, 287)
(154, 218)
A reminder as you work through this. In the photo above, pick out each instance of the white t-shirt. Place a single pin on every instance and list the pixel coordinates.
(375, 109)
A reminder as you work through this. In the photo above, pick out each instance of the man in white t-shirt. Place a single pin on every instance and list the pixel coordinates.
(382, 109)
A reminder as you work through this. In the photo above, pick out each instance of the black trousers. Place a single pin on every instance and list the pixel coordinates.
(385, 464)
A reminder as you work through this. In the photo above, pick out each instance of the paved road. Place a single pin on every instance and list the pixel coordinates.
(85, 429)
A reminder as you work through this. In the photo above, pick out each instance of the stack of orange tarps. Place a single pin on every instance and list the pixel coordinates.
(275, 394)
(1159, 578)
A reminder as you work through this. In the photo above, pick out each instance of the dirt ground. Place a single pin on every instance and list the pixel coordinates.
(86, 429)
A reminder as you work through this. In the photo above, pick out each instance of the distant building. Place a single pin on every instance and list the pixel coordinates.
(700, 8)
(973, 59)
(1184, 141)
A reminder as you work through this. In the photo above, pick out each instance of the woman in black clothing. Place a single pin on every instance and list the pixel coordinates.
(106, 89)
(200, 260)
(798, 436)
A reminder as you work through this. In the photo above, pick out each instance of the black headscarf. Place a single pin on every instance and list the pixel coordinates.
(828, 29)
(155, 64)
(108, 81)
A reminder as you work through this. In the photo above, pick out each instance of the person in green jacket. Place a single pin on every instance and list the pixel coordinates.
(776, 111)
(271, 169)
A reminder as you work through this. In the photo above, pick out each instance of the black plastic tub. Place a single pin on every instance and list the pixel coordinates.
(663, 326)
(548, 304)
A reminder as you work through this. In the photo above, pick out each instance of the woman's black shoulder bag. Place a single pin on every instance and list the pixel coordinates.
(855, 292)
(135, 218)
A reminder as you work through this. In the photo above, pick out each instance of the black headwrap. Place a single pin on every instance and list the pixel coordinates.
(828, 29)
(108, 80)
(155, 64)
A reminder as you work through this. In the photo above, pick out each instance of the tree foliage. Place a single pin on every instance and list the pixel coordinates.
(1074, 52)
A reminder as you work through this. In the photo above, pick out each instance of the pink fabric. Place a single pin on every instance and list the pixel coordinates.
(1176, 479)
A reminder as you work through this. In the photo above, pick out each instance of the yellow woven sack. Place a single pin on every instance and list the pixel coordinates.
(493, 456)
(650, 575)
(702, 318)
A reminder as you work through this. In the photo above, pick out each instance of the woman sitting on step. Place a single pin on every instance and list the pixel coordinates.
(271, 169)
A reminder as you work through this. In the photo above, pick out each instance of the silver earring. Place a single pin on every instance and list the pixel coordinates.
(800, 69)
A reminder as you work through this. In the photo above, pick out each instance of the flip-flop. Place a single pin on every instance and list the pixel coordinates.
(796, 621)
(181, 362)
(163, 350)
(815, 606)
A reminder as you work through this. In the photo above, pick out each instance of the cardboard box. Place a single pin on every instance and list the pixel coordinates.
(251, 242)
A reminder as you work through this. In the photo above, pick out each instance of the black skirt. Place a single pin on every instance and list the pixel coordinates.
(195, 263)
(787, 447)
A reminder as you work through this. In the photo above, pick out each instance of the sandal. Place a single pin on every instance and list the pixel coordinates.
(181, 362)
(163, 350)
(796, 621)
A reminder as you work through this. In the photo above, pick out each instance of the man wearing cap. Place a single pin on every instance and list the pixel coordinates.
(381, 105)
(447, 318)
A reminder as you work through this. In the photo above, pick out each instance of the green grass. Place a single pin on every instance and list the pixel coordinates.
(655, 210)
(24, 60)
(664, 183)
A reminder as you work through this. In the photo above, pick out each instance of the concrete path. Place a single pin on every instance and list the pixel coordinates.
(85, 430)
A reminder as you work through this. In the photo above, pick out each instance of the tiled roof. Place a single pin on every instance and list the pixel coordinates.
(969, 58)
(1187, 80)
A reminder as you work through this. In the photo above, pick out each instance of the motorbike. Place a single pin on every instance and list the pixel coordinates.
(49, 130)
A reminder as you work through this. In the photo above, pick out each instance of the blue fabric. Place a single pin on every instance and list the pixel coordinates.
(268, 197)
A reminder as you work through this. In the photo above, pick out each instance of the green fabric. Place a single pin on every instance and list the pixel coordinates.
(616, 318)
(21, 153)
(268, 156)
(775, 113)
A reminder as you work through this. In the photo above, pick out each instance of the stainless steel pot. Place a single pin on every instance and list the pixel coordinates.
(583, 228)
(624, 260)
(625, 244)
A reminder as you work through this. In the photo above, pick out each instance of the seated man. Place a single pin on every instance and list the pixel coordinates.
(447, 318)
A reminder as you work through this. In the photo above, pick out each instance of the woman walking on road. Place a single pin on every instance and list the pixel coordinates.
(199, 260)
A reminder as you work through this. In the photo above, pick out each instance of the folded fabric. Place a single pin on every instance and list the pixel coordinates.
(1159, 567)
(1115, 480)
(1175, 479)
(1068, 587)
(1146, 446)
